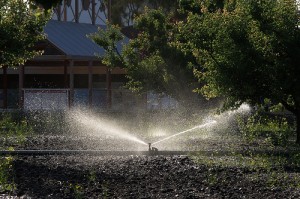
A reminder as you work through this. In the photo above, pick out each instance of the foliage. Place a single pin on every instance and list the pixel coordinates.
(151, 59)
(248, 51)
(13, 132)
(243, 48)
(109, 39)
(77, 190)
(74, 190)
(240, 50)
(21, 28)
(126, 10)
(6, 178)
(270, 127)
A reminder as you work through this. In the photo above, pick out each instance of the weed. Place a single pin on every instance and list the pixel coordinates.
(7, 184)
(77, 190)
(92, 177)
(105, 189)
(211, 178)
(13, 132)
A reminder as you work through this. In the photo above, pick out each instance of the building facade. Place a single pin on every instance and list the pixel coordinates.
(70, 73)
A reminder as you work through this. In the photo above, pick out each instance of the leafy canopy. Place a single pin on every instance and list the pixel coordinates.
(247, 49)
(151, 59)
(243, 50)
(20, 29)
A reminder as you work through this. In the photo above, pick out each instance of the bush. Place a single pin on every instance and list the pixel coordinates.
(13, 130)
(273, 128)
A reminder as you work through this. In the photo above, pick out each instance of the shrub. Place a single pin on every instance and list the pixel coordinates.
(271, 127)
(13, 131)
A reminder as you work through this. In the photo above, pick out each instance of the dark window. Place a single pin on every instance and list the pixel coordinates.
(44, 81)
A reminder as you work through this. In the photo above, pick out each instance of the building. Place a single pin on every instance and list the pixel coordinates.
(69, 73)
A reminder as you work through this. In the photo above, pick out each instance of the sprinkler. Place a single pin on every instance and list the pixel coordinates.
(152, 149)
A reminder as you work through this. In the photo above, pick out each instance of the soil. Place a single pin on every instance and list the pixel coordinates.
(87, 176)
(137, 177)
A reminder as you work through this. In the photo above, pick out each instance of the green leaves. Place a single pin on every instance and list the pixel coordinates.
(152, 59)
(242, 47)
(109, 39)
(237, 49)
(21, 28)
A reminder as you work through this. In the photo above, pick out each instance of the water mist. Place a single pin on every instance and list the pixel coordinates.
(99, 126)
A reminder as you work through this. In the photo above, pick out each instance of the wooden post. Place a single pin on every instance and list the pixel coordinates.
(109, 11)
(5, 87)
(21, 86)
(93, 12)
(76, 11)
(65, 10)
(90, 84)
(108, 88)
(71, 68)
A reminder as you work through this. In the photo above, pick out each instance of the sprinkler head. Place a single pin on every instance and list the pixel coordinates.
(152, 149)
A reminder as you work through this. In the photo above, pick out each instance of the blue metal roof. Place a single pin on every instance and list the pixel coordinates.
(71, 38)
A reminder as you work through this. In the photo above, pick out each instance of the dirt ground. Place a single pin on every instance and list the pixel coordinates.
(139, 177)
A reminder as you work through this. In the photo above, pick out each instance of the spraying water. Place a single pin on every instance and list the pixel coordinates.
(100, 125)
(191, 129)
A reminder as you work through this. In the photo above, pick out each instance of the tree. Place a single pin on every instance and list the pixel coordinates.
(125, 11)
(151, 59)
(241, 50)
(46, 4)
(248, 50)
(21, 28)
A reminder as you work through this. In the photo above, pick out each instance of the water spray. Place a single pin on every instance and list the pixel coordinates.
(103, 126)
(182, 132)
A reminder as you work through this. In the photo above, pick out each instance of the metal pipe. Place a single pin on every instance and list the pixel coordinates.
(90, 152)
